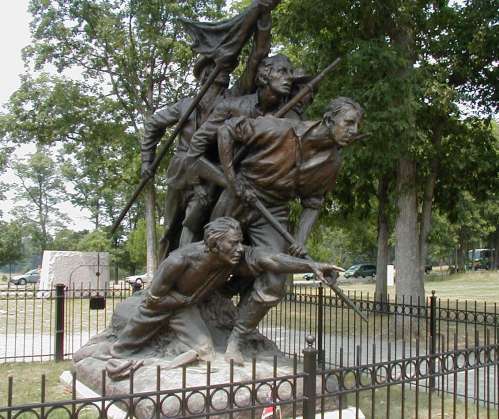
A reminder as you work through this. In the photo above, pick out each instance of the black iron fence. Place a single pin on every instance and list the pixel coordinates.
(403, 326)
(43, 325)
(379, 389)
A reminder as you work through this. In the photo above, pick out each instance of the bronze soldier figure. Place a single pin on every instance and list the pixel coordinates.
(286, 159)
(274, 80)
(189, 275)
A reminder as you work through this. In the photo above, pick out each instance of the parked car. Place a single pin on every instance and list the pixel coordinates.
(309, 277)
(30, 277)
(480, 258)
(139, 280)
(361, 270)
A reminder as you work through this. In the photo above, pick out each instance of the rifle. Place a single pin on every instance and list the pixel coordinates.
(212, 173)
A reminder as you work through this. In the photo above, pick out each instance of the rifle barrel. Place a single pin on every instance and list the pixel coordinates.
(308, 88)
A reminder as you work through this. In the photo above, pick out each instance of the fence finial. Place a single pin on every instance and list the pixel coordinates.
(310, 339)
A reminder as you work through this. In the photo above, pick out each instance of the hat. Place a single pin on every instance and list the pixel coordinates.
(300, 76)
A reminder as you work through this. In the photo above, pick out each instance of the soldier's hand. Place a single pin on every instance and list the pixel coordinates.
(326, 272)
(244, 193)
(297, 250)
(145, 169)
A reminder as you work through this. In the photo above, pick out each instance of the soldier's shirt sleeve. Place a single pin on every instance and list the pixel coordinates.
(206, 135)
(240, 129)
(251, 264)
(155, 127)
(313, 202)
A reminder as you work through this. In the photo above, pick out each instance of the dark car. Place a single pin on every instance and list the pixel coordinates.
(30, 277)
(362, 270)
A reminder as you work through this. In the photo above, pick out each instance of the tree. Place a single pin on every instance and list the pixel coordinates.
(136, 49)
(11, 246)
(40, 188)
(136, 245)
(88, 133)
(398, 65)
(67, 239)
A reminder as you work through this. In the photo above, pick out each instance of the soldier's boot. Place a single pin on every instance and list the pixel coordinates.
(250, 314)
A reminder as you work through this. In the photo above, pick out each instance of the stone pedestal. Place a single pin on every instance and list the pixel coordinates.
(189, 386)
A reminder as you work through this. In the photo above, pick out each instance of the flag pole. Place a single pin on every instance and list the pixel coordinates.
(150, 171)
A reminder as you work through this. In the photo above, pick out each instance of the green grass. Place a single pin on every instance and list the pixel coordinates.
(27, 388)
(400, 402)
(27, 381)
(21, 311)
(481, 286)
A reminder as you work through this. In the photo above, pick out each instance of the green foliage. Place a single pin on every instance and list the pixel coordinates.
(138, 46)
(136, 244)
(409, 65)
(11, 246)
(67, 239)
(342, 243)
(95, 241)
(40, 190)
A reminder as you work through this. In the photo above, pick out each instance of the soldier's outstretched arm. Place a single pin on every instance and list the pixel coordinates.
(282, 263)
(246, 84)
(154, 128)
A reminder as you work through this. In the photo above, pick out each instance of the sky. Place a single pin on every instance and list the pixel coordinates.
(15, 35)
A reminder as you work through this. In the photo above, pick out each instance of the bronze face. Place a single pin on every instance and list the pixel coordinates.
(281, 77)
(230, 248)
(345, 126)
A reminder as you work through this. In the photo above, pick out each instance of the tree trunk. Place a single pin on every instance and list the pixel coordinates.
(495, 266)
(382, 255)
(151, 241)
(461, 260)
(409, 284)
(425, 226)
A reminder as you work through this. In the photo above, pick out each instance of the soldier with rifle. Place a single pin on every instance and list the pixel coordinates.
(285, 159)
(275, 79)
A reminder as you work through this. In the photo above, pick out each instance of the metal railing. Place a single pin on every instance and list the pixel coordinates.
(379, 389)
(42, 325)
(29, 330)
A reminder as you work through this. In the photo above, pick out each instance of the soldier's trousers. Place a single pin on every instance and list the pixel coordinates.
(268, 288)
(186, 322)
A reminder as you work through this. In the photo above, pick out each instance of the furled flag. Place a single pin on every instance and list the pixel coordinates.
(222, 41)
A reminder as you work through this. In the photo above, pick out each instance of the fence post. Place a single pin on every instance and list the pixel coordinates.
(309, 381)
(320, 326)
(433, 337)
(59, 322)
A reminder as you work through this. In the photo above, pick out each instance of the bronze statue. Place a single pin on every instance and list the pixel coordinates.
(274, 80)
(285, 159)
(267, 162)
(187, 277)
(183, 196)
